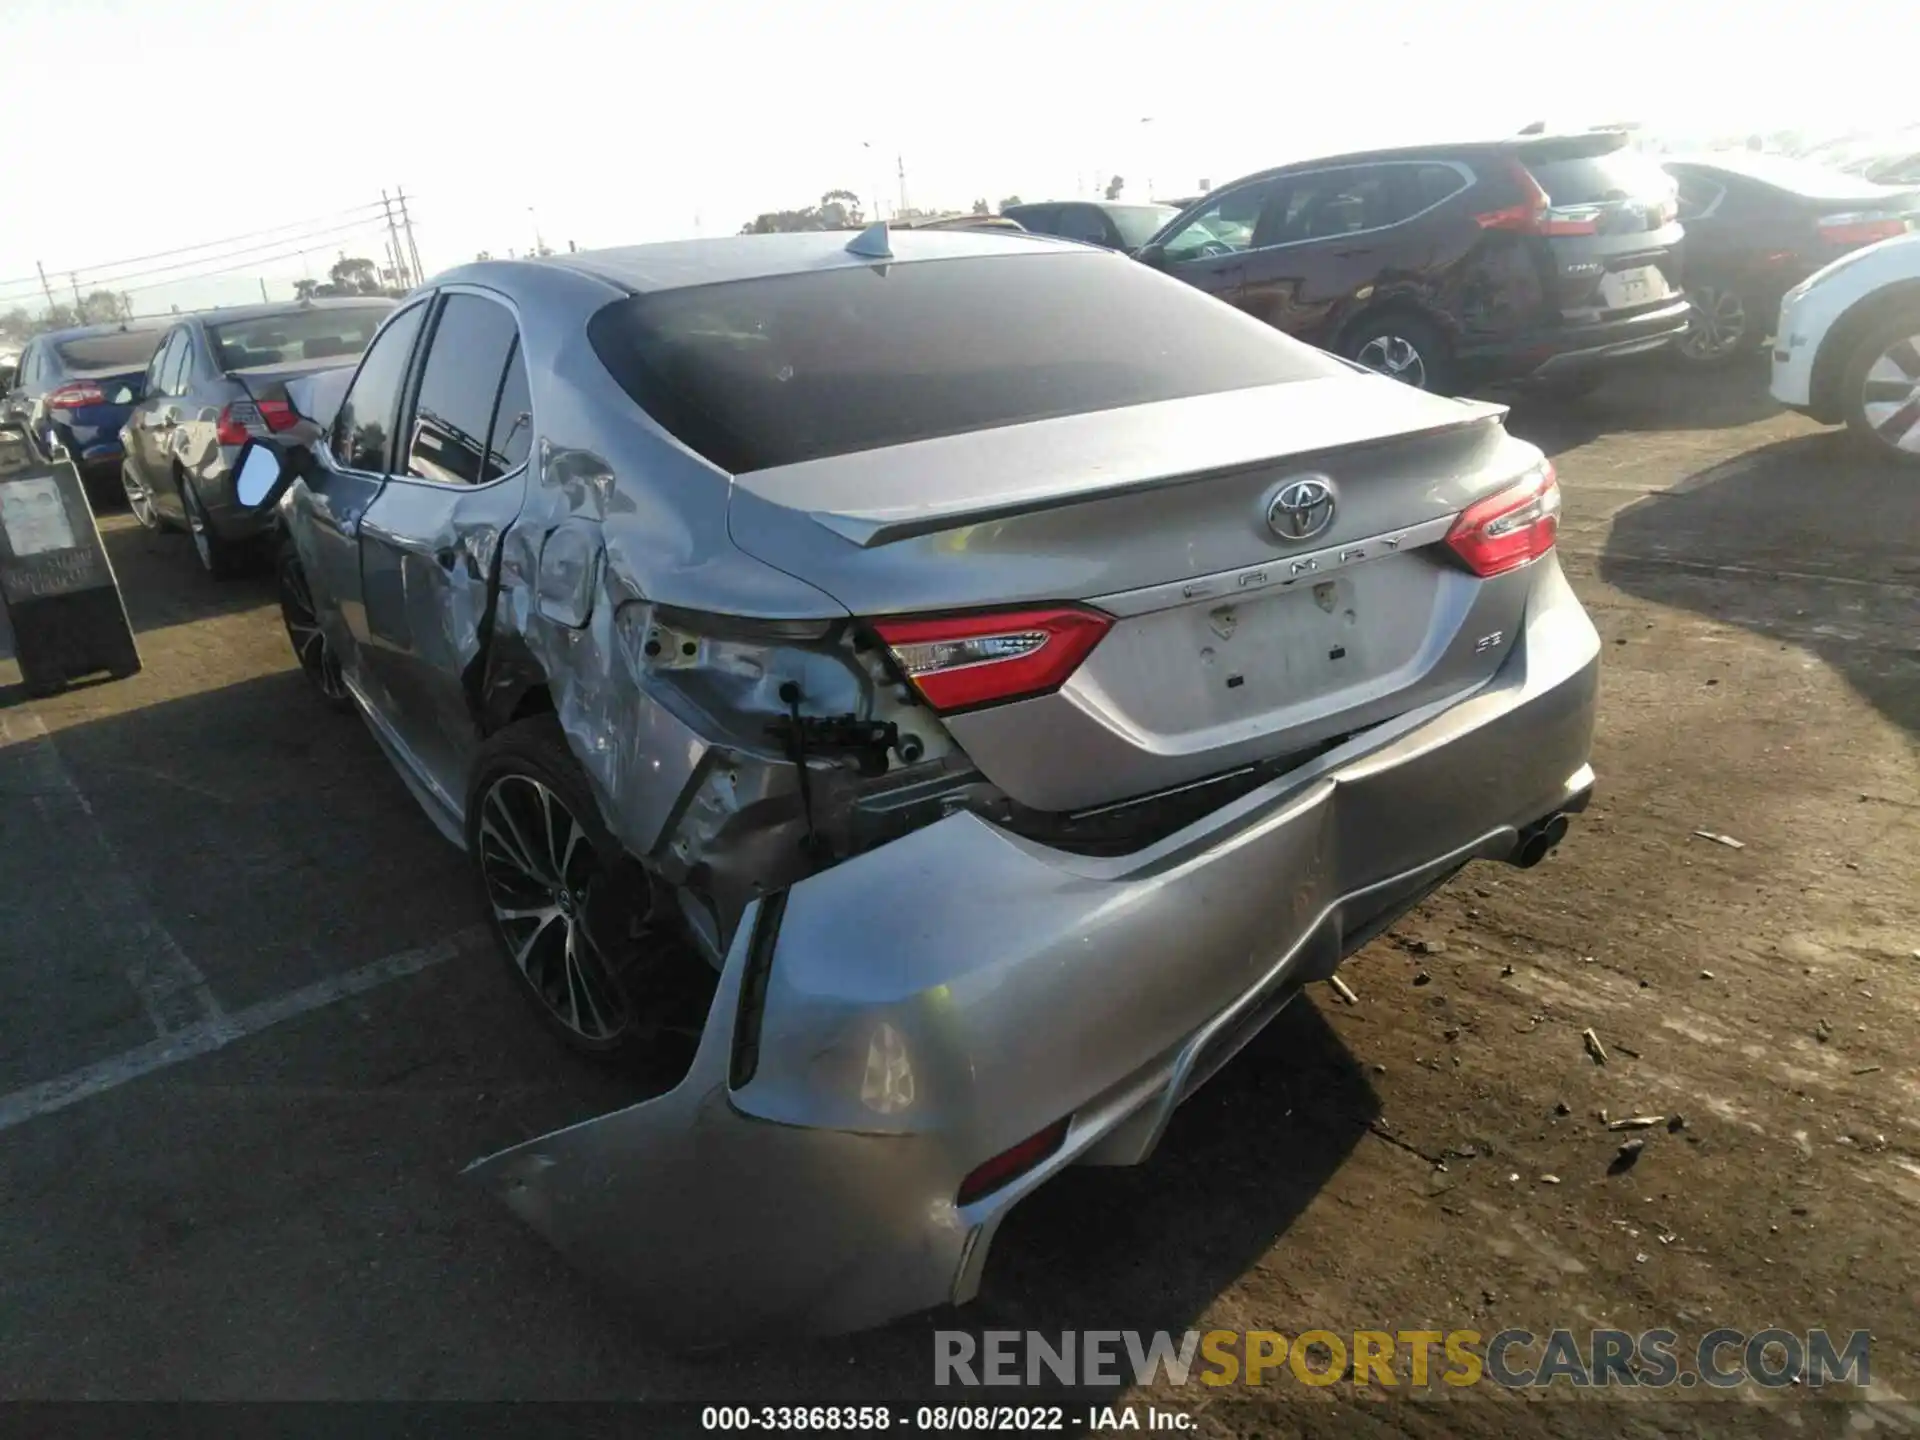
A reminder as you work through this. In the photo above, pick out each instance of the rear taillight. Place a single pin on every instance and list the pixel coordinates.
(1535, 213)
(244, 420)
(75, 394)
(1010, 1165)
(1510, 528)
(960, 661)
(1860, 229)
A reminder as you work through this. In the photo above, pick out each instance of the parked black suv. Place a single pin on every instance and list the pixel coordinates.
(1542, 257)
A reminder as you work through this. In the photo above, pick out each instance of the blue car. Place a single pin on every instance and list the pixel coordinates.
(75, 388)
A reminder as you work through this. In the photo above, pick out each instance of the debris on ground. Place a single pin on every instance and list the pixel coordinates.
(1340, 989)
(1428, 947)
(1562, 1108)
(1626, 1157)
(1718, 839)
(1505, 970)
(1706, 974)
(1676, 1124)
(1867, 1070)
(1638, 1122)
(1422, 978)
(1549, 1179)
(1594, 1047)
(1823, 1032)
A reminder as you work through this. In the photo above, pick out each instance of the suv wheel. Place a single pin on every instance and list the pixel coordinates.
(1721, 327)
(588, 935)
(1402, 347)
(1881, 387)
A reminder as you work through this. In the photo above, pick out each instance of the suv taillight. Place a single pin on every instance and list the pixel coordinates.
(1860, 229)
(957, 662)
(1535, 213)
(1507, 529)
(74, 394)
(244, 419)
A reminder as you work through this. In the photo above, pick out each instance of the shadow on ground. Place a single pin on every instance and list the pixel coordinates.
(1643, 399)
(1827, 527)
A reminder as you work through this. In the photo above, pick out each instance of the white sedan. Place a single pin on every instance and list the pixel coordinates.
(1847, 346)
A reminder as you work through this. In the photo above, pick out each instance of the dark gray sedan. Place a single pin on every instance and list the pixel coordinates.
(218, 379)
(1012, 672)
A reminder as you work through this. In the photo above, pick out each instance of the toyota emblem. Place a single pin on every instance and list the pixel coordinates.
(1302, 508)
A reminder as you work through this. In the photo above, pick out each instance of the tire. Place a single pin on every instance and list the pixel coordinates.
(222, 559)
(310, 647)
(588, 936)
(1723, 327)
(140, 502)
(1880, 388)
(1403, 346)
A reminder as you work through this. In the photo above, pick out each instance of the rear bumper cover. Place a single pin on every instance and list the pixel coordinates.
(1561, 352)
(933, 1002)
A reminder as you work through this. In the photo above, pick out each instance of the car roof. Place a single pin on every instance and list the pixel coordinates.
(1593, 142)
(680, 264)
(1097, 204)
(139, 325)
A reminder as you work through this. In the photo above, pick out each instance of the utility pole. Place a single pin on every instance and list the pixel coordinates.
(393, 238)
(73, 279)
(45, 286)
(900, 164)
(263, 290)
(406, 223)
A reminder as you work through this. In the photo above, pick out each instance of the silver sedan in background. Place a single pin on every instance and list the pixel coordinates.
(971, 681)
(217, 380)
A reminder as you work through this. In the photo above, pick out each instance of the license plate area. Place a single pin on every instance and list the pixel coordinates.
(1637, 285)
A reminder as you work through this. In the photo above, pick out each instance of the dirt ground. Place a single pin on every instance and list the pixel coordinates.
(281, 1216)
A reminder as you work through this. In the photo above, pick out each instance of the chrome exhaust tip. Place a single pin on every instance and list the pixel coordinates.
(1538, 841)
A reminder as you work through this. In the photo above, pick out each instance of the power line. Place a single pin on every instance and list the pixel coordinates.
(229, 269)
(204, 245)
(309, 240)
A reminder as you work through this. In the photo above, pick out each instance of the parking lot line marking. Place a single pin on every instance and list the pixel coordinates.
(219, 1031)
(171, 988)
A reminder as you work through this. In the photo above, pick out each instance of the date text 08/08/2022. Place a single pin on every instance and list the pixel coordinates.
(942, 1418)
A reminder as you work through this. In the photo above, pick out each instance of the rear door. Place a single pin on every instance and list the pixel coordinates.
(154, 421)
(1608, 244)
(1208, 250)
(1324, 237)
(351, 467)
(429, 543)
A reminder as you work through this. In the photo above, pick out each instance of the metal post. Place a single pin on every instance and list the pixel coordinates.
(406, 223)
(73, 279)
(393, 236)
(51, 302)
(263, 290)
(900, 162)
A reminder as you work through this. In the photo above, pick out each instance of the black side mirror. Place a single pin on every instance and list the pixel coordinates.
(1154, 255)
(261, 474)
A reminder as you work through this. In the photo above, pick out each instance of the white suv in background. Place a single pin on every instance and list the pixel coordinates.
(1847, 347)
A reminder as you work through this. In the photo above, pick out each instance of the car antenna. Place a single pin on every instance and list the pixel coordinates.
(872, 242)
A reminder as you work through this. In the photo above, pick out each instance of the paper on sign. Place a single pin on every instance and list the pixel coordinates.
(35, 517)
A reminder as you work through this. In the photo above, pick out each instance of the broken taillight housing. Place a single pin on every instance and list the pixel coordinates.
(1507, 529)
(957, 662)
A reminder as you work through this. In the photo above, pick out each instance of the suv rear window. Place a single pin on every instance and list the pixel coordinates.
(1596, 179)
(758, 373)
(295, 336)
(125, 349)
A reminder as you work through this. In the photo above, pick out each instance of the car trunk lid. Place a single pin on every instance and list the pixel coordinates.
(1234, 638)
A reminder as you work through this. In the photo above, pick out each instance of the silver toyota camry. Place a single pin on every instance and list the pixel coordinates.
(970, 681)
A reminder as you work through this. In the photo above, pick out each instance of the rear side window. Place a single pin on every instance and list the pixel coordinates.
(318, 334)
(512, 420)
(758, 373)
(363, 426)
(120, 350)
(178, 364)
(1082, 222)
(458, 387)
(1597, 179)
(1335, 203)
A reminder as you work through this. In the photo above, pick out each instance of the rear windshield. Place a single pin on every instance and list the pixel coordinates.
(1138, 223)
(125, 349)
(297, 335)
(758, 373)
(1595, 179)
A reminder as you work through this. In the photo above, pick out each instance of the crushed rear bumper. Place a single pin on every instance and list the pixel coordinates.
(885, 1026)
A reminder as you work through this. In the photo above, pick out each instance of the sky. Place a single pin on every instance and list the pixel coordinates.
(264, 132)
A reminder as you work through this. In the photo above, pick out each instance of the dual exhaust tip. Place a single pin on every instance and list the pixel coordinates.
(1538, 840)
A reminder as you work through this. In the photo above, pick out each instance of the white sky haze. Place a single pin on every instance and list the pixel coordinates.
(201, 119)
